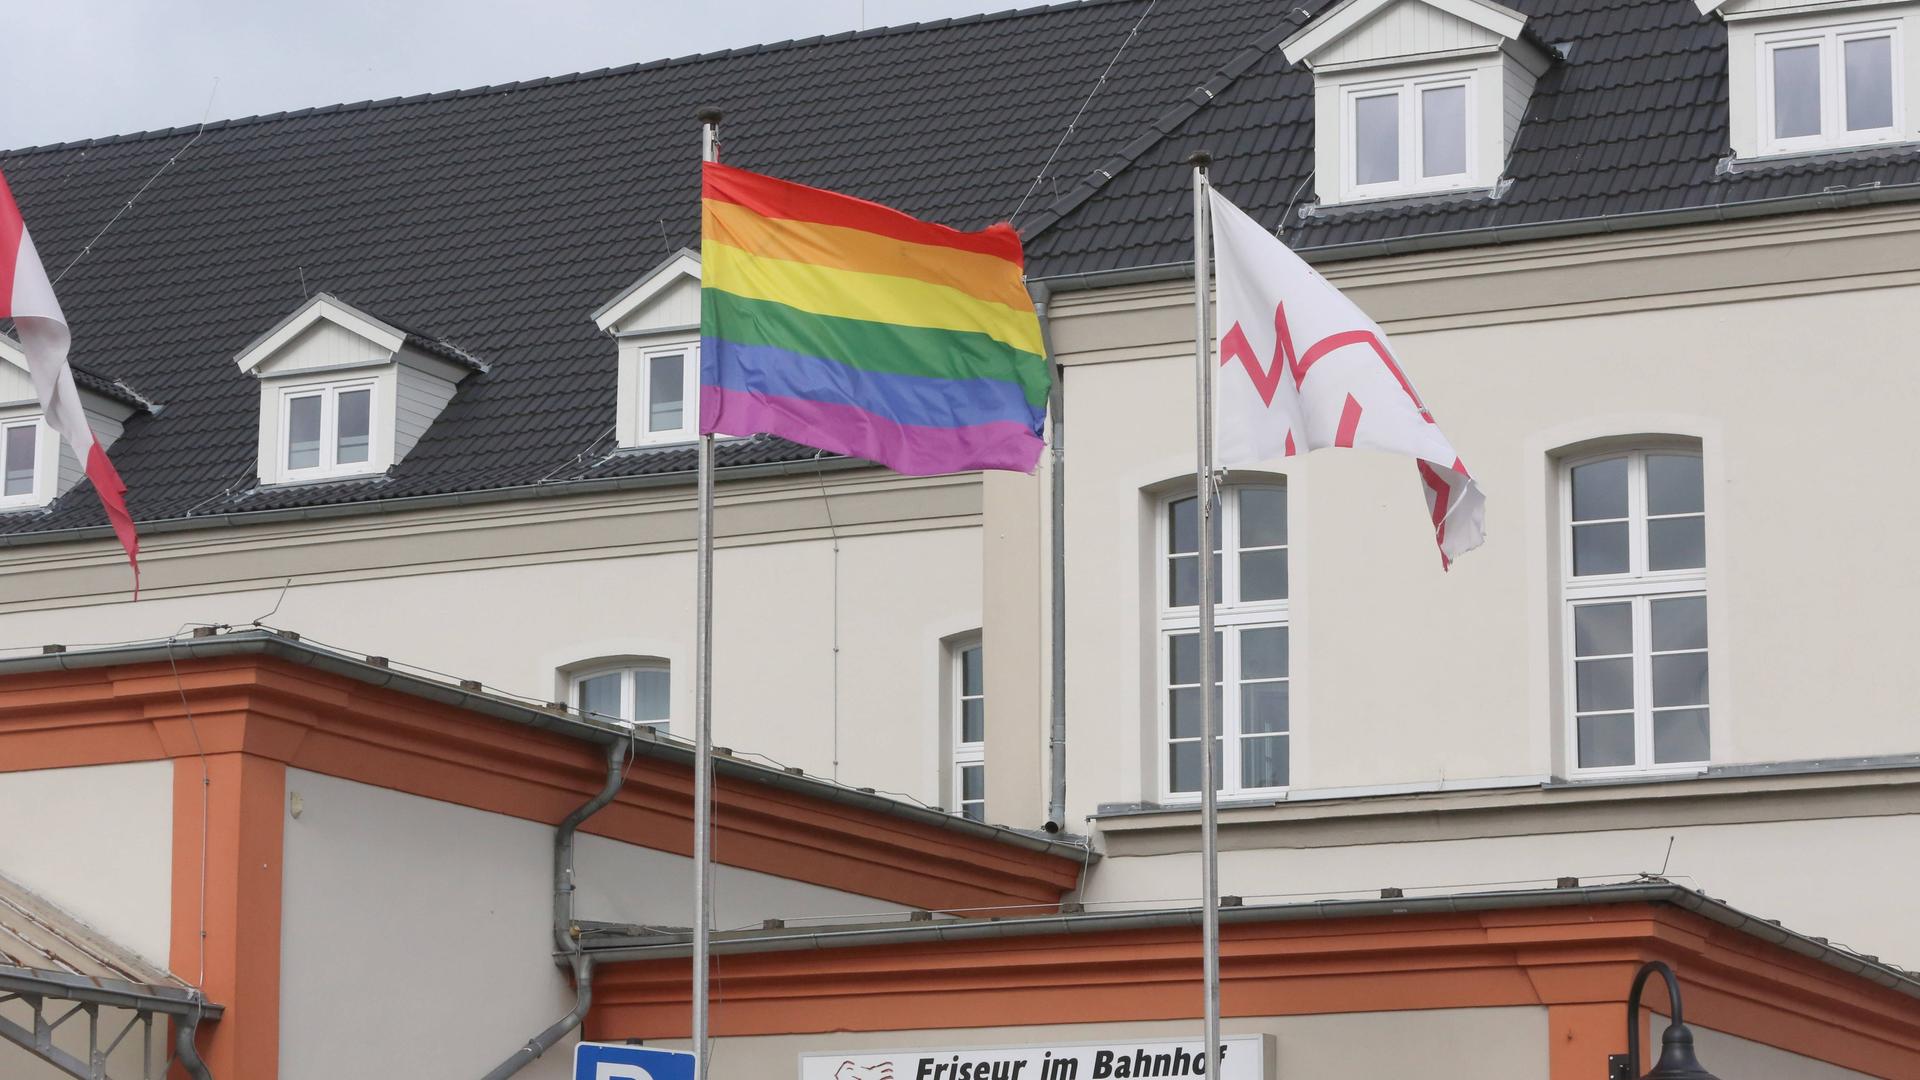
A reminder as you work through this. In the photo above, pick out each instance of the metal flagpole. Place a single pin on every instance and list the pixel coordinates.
(1209, 716)
(703, 702)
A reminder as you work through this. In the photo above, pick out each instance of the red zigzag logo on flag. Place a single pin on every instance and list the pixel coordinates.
(1266, 378)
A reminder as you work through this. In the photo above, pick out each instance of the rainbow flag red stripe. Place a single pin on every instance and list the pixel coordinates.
(852, 327)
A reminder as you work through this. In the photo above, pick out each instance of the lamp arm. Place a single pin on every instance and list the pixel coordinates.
(1633, 1006)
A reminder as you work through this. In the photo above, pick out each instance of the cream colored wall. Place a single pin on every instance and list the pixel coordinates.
(98, 842)
(1839, 878)
(1436, 1044)
(449, 911)
(1731, 1055)
(1766, 342)
(512, 593)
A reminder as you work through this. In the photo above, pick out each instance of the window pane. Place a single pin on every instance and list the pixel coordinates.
(1603, 630)
(303, 432)
(355, 407)
(1796, 91)
(1673, 484)
(1263, 762)
(651, 695)
(1183, 766)
(1603, 684)
(1263, 653)
(666, 391)
(1680, 623)
(1606, 740)
(1183, 532)
(1183, 711)
(1263, 575)
(1263, 707)
(973, 783)
(1443, 131)
(1680, 735)
(1676, 543)
(1183, 580)
(1600, 490)
(1183, 665)
(1680, 679)
(973, 720)
(1869, 83)
(1601, 549)
(20, 450)
(1263, 517)
(1376, 139)
(600, 695)
(970, 678)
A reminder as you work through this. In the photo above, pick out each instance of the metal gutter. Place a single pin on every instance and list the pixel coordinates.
(475, 497)
(1654, 892)
(1865, 195)
(1057, 562)
(173, 1001)
(643, 742)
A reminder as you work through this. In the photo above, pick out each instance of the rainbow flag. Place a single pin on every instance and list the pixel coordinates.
(852, 327)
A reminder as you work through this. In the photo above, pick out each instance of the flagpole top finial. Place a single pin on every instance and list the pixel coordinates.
(707, 114)
(1199, 159)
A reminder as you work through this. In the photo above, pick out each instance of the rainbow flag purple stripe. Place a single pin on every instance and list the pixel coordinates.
(845, 325)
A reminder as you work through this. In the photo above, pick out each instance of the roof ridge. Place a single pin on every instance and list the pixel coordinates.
(1160, 127)
(562, 79)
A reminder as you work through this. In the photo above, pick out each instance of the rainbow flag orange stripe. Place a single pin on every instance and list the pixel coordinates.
(852, 327)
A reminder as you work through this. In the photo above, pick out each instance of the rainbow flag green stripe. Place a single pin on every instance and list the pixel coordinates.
(848, 326)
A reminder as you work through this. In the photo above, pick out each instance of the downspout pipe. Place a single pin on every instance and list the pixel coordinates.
(564, 941)
(1057, 557)
(184, 1050)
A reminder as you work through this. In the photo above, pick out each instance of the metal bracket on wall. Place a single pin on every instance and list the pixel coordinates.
(1619, 1067)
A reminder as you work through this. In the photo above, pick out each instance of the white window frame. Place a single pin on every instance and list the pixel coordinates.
(46, 462)
(1638, 586)
(961, 754)
(1412, 135)
(642, 392)
(1230, 616)
(625, 669)
(329, 466)
(1833, 133)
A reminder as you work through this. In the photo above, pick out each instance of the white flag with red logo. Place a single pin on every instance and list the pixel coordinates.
(1302, 368)
(26, 296)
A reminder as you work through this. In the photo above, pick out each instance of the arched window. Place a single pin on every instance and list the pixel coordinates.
(1250, 618)
(635, 691)
(1634, 588)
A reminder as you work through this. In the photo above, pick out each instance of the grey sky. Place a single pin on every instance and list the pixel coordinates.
(77, 69)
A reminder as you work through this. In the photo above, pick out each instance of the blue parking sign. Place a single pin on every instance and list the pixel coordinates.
(615, 1061)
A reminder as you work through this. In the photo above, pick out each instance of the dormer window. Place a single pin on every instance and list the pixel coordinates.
(1413, 97)
(344, 394)
(1818, 76)
(23, 463)
(656, 322)
(327, 429)
(1826, 88)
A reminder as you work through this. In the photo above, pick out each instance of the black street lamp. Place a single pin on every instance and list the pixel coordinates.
(1676, 1045)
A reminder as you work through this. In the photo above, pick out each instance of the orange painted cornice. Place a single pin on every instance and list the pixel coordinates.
(323, 722)
(1578, 962)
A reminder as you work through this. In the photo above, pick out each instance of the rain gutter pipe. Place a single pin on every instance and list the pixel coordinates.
(566, 943)
(184, 1049)
(1057, 558)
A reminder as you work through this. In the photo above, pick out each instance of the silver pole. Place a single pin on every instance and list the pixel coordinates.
(1209, 722)
(703, 703)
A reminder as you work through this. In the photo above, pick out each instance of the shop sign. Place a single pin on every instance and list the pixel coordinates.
(1244, 1059)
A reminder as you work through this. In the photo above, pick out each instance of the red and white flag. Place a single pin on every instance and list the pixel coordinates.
(1303, 368)
(26, 296)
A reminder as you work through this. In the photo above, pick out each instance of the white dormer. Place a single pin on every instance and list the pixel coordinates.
(656, 321)
(1809, 77)
(36, 466)
(1413, 97)
(344, 394)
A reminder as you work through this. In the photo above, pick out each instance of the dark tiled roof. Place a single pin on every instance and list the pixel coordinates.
(503, 217)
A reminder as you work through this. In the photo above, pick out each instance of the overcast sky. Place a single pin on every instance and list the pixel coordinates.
(77, 69)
